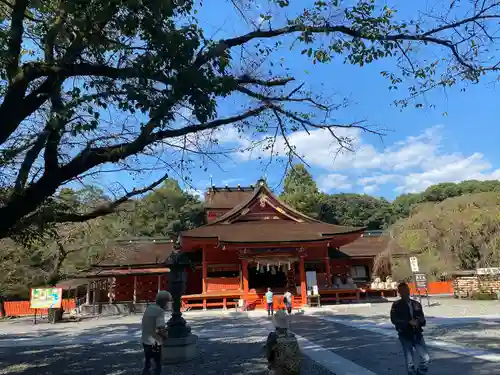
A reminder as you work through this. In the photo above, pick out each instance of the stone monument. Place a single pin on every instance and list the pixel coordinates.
(181, 344)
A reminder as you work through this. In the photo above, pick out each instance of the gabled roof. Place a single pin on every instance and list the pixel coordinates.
(136, 252)
(286, 225)
(226, 197)
(370, 244)
(265, 196)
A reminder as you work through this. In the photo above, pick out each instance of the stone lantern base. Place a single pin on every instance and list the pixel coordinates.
(180, 349)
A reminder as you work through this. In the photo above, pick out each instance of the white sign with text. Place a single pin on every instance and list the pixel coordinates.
(414, 264)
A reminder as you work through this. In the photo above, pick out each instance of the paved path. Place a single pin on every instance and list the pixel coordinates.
(380, 353)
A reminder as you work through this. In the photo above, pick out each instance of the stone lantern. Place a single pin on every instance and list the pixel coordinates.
(181, 344)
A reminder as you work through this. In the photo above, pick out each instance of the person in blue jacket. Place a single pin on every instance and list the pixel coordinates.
(269, 302)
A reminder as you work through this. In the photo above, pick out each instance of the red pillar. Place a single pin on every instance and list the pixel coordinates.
(244, 271)
(204, 271)
(327, 270)
(303, 289)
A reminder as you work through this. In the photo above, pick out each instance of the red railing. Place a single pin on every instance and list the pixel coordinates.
(22, 308)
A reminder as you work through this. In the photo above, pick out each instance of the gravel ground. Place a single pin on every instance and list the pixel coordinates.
(227, 345)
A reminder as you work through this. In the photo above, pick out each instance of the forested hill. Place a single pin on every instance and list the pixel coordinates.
(301, 191)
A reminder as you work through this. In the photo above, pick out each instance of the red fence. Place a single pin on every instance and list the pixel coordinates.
(22, 308)
(437, 287)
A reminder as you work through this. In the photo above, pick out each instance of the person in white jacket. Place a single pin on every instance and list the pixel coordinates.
(154, 332)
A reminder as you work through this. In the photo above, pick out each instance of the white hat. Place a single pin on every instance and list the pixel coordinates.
(163, 295)
(280, 319)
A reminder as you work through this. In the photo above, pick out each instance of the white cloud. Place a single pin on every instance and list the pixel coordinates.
(409, 165)
(334, 181)
(200, 194)
(370, 189)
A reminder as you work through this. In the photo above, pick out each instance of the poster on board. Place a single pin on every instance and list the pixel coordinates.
(46, 298)
(311, 279)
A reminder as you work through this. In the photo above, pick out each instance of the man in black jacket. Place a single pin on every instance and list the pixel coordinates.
(408, 317)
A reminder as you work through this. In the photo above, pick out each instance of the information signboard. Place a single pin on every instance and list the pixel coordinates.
(421, 280)
(46, 298)
(414, 264)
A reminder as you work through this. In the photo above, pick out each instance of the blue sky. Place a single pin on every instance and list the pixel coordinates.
(420, 147)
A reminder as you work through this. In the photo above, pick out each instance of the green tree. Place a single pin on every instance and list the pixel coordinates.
(440, 192)
(358, 210)
(166, 212)
(55, 255)
(401, 206)
(74, 72)
(300, 190)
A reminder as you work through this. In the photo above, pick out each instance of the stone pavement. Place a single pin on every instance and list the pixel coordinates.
(229, 344)
(449, 322)
(381, 353)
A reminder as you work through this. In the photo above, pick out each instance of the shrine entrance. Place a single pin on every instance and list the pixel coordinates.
(276, 272)
(266, 277)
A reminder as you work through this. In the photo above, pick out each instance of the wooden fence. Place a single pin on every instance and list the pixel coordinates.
(22, 308)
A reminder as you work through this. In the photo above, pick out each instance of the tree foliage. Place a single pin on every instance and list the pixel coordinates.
(356, 210)
(455, 234)
(300, 190)
(68, 248)
(165, 212)
(89, 83)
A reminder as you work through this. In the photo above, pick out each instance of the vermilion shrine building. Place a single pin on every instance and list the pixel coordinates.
(252, 241)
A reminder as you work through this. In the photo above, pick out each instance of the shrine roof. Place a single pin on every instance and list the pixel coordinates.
(261, 191)
(370, 244)
(284, 224)
(136, 252)
(226, 197)
(269, 231)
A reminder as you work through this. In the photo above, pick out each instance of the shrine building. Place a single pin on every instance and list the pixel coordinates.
(251, 241)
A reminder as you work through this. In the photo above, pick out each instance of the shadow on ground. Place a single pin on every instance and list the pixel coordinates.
(229, 345)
